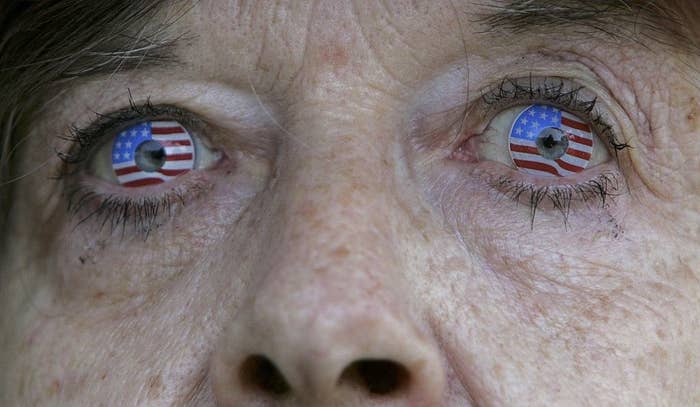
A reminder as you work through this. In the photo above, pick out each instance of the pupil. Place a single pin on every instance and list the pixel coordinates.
(549, 142)
(150, 156)
(552, 143)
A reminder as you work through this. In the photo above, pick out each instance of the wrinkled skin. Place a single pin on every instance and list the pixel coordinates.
(333, 232)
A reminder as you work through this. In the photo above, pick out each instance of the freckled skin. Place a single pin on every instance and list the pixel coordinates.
(349, 243)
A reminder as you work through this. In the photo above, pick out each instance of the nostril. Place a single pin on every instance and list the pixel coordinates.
(258, 373)
(377, 377)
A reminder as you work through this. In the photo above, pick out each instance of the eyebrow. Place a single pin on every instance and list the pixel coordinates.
(660, 21)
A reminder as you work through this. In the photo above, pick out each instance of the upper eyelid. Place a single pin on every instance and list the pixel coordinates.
(87, 139)
(589, 107)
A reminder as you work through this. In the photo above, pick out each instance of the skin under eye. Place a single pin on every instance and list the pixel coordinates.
(149, 153)
(541, 140)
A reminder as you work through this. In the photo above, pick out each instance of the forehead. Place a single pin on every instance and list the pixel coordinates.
(397, 40)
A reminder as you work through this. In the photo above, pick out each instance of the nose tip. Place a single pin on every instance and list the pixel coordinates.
(385, 364)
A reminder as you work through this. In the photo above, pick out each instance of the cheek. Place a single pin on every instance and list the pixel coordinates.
(136, 353)
(621, 313)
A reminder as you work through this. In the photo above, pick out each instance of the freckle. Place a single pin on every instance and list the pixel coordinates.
(55, 387)
(307, 210)
(155, 385)
(104, 376)
(340, 252)
(475, 310)
(498, 371)
(660, 333)
(335, 55)
(82, 259)
(346, 199)
(98, 295)
(640, 363)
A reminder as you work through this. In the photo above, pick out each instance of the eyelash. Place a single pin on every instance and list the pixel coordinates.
(143, 214)
(509, 91)
(601, 189)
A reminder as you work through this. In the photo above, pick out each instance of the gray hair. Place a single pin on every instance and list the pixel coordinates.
(46, 44)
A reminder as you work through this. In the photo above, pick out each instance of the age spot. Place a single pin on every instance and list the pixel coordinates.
(155, 386)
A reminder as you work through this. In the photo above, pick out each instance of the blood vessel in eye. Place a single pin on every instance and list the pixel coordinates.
(548, 141)
(151, 153)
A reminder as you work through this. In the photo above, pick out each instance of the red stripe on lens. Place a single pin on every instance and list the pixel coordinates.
(569, 167)
(179, 157)
(574, 124)
(532, 165)
(173, 173)
(523, 149)
(580, 154)
(172, 143)
(167, 130)
(143, 182)
(581, 140)
(127, 170)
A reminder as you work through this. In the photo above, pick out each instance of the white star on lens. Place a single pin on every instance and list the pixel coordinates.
(525, 121)
(535, 124)
(519, 131)
(119, 144)
(133, 133)
(543, 116)
(128, 144)
(531, 112)
(116, 156)
(127, 155)
(530, 134)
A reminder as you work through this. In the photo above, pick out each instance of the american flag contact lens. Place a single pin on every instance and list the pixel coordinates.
(152, 152)
(548, 141)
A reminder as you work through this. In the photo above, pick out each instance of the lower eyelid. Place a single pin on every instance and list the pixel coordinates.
(92, 200)
(127, 215)
(595, 189)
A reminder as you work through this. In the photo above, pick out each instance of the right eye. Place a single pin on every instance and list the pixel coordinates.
(542, 140)
(151, 152)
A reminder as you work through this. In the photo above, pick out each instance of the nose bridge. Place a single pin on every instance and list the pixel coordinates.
(335, 246)
(331, 292)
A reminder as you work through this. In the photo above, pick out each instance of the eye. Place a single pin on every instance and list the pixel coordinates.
(542, 140)
(149, 153)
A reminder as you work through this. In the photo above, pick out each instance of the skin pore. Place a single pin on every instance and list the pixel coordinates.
(360, 242)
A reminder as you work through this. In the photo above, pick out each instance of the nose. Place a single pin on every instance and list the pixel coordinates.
(335, 358)
(330, 320)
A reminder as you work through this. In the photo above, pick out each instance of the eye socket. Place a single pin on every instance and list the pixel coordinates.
(542, 140)
(149, 153)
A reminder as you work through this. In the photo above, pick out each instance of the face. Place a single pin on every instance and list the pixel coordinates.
(357, 221)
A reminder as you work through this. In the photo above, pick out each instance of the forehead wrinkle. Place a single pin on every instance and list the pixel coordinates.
(661, 21)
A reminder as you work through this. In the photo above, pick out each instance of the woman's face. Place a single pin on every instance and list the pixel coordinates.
(357, 228)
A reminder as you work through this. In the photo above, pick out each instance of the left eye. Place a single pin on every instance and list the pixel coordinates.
(542, 140)
(151, 152)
